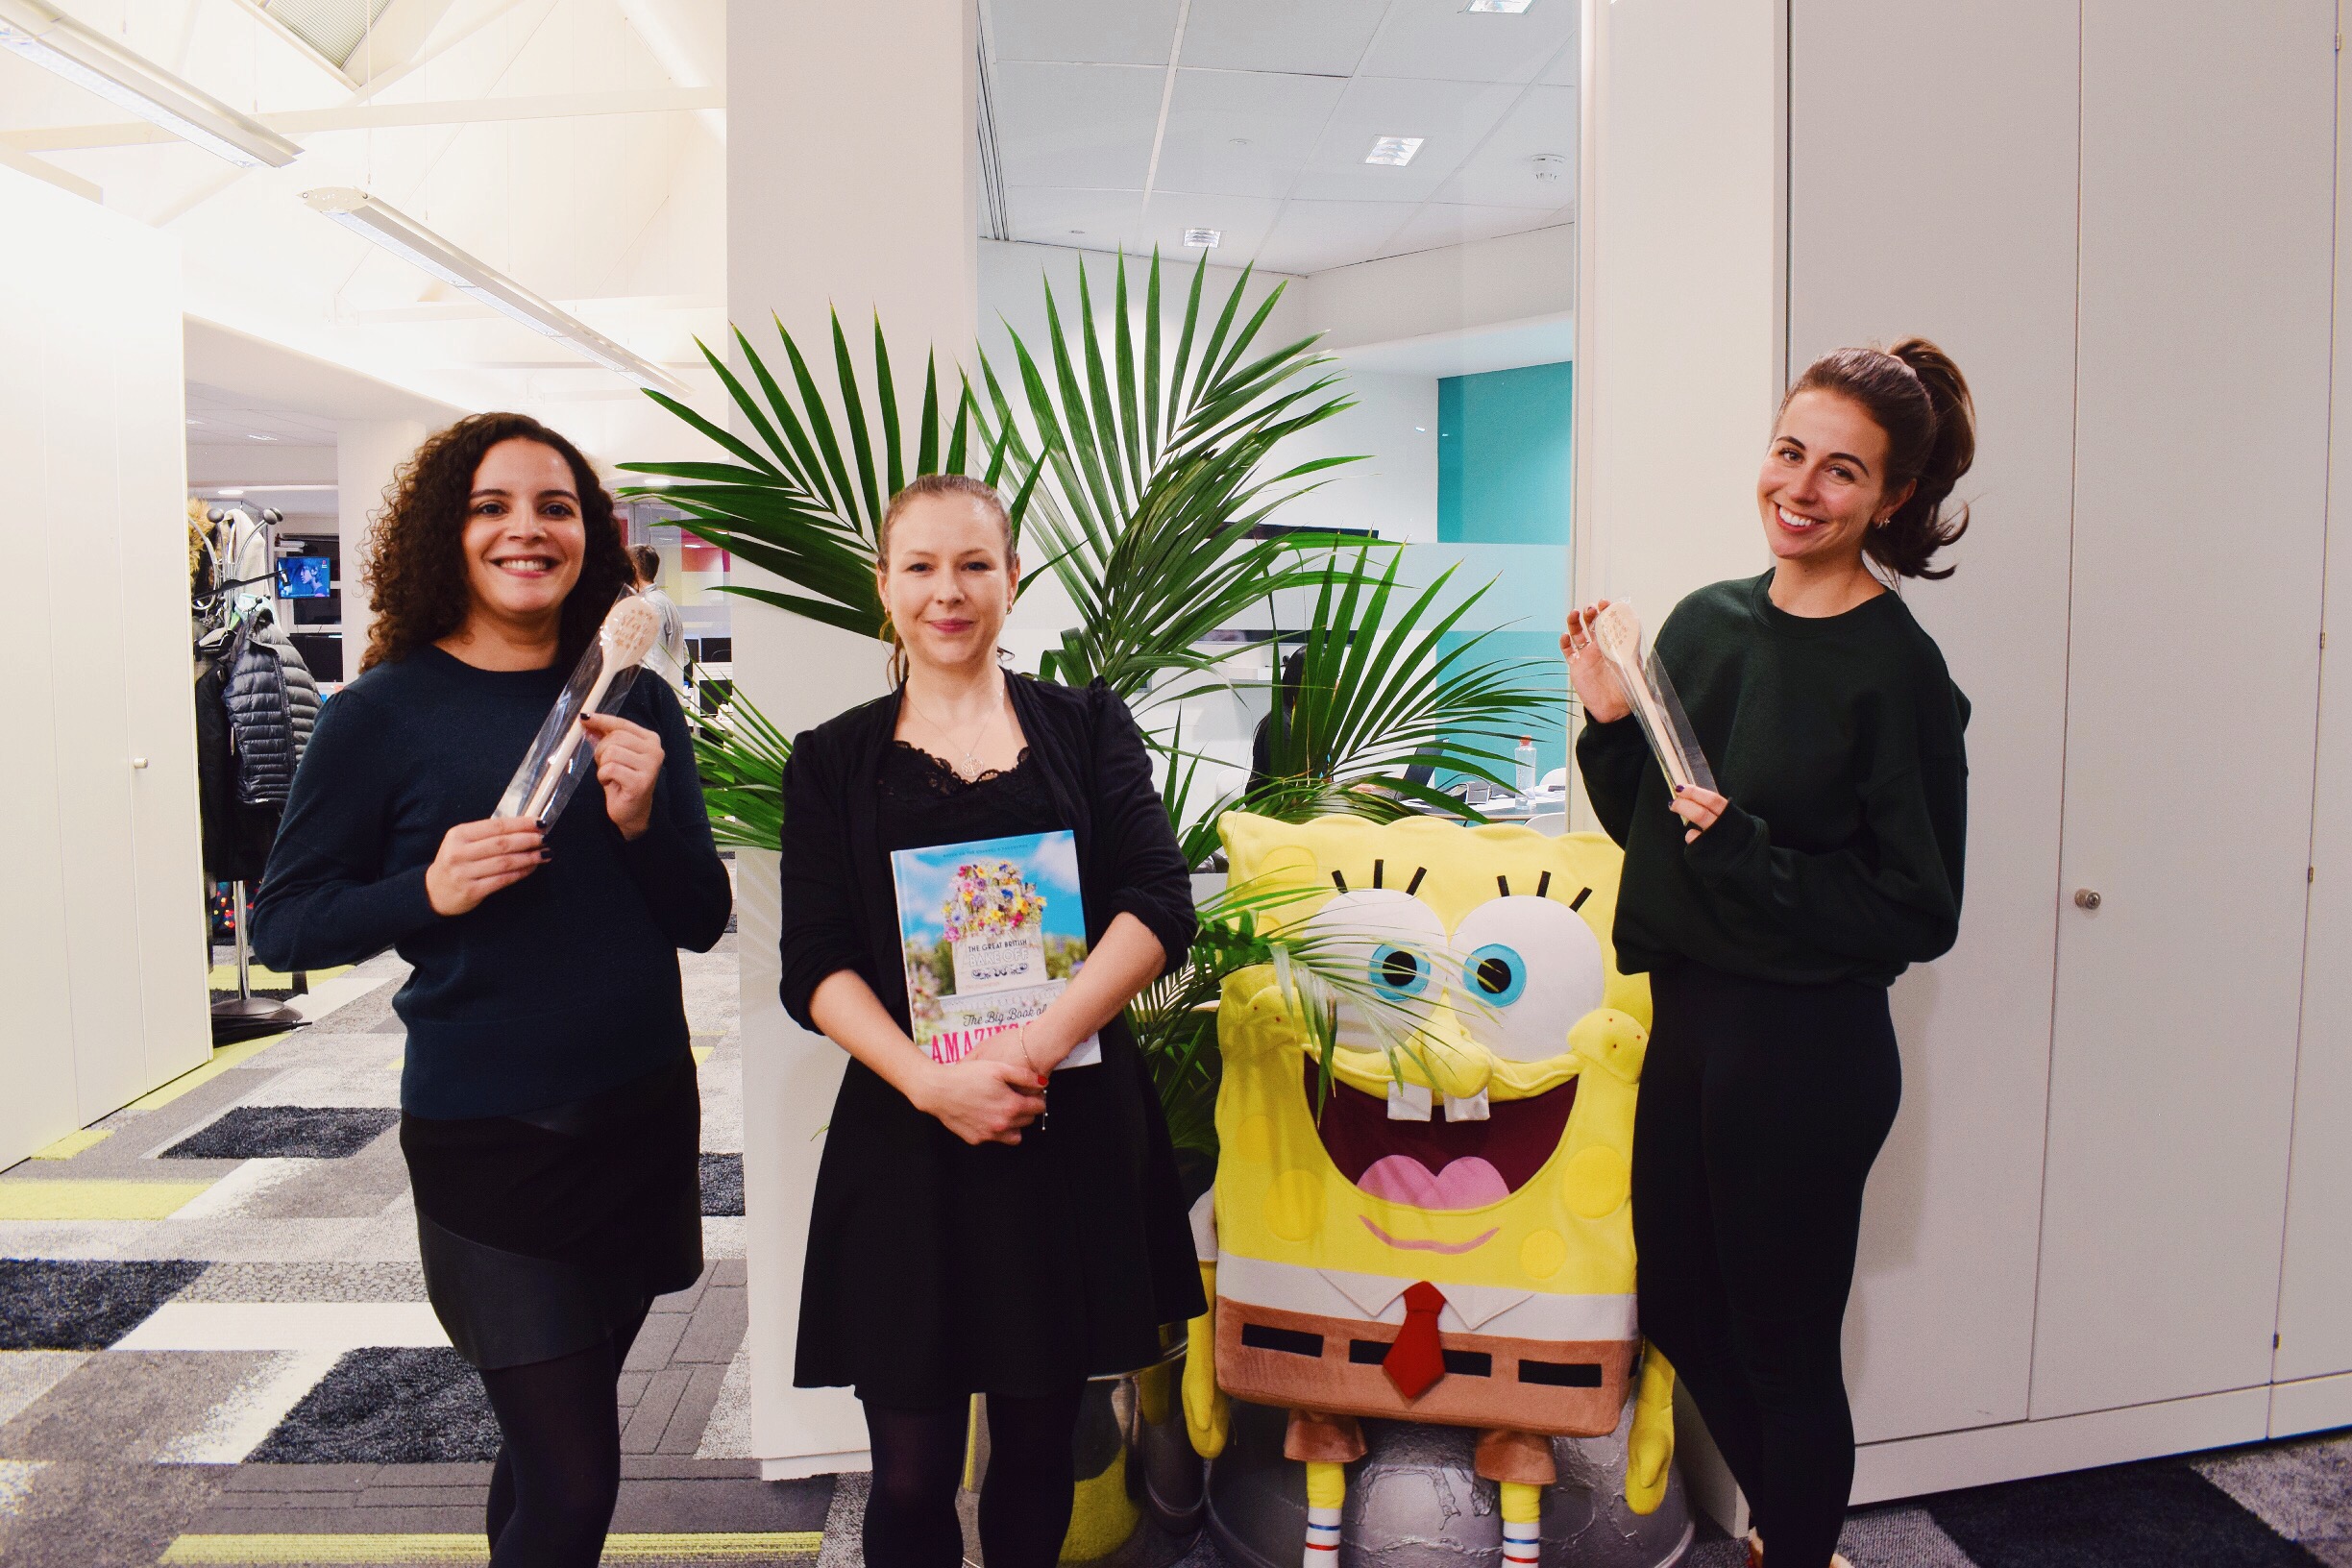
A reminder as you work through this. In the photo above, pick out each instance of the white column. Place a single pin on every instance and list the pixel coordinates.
(850, 184)
(366, 453)
(1681, 337)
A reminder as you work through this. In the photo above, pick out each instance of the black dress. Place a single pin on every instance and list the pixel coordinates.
(938, 1269)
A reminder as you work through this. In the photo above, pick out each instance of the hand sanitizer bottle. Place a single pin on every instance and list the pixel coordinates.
(1525, 756)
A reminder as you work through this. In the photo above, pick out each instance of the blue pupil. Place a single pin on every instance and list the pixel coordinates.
(1499, 973)
(1398, 972)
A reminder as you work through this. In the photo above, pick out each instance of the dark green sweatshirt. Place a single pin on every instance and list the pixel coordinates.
(1838, 742)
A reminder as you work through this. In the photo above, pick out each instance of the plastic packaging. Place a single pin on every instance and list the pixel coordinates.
(1617, 632)
(561, 755)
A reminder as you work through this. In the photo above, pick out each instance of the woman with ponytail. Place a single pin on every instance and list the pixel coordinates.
(1773, 913)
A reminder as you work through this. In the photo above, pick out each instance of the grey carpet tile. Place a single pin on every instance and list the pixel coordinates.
(129, 1406)
(286, 1131)
(25, 1375)
(360, 1188)
(104, 1515)
(2336, 1553)
(722, 1184)
(722, 1504)
(387, 1406)
(2302, 1489)
(1899, 1537)
(2129, 1516)
(52, 1304)
(717, 1328)
(309, 1282)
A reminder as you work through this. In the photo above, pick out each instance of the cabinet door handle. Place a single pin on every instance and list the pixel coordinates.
(2087, 898)
(139, 761)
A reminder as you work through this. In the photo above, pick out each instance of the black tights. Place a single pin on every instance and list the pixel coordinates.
(1761, 1109)
(1024, 1502)
(558, 1470)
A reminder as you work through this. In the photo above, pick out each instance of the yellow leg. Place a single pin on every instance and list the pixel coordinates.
(1208, 1417)
(1649, 1449)
(1522, 1522)
(1326, 1495)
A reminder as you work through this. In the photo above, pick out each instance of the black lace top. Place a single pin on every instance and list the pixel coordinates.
(924, 801)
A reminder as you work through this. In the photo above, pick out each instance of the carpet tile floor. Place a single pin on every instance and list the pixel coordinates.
(216, 1349)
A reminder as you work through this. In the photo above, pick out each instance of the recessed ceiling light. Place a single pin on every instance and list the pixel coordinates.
(1204, 239)
(252, 437)
(1501, 7)
(229, 492)
(1394, 151)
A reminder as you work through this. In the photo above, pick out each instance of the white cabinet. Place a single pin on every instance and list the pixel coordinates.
(2201, 449)
(102, 932)
(2122, 1163)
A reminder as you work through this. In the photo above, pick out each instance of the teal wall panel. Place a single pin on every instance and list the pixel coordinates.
(1503, 455)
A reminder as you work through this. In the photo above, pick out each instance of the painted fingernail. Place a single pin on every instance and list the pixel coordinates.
(547, 855)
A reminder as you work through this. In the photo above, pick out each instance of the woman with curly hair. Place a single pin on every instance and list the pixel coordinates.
(549, 1114)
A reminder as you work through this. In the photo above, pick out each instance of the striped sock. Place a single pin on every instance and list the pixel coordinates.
(1519, 1544)
(1322, 1537)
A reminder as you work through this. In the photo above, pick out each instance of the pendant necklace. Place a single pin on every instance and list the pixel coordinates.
(970, 768)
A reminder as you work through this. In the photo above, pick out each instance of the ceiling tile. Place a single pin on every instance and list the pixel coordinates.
(1309, 37)
(1445, 223)
(1092, 220)
(1501, 172)
(1438, 39)
(1312, 236)
(1450, 117)
(1279, 118)
(1076, 126)
(1130, 33)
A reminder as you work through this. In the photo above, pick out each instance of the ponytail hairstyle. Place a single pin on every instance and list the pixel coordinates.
(978, 491)
(1916, 395)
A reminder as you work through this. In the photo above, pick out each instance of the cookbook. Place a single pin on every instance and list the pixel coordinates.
(991, 931)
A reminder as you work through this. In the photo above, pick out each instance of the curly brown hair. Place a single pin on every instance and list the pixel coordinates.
(416, 560)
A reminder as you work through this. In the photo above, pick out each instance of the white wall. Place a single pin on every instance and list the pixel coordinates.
(1454, 289)
(101, 934)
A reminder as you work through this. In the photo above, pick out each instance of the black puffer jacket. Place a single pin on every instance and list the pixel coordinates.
(273, 706)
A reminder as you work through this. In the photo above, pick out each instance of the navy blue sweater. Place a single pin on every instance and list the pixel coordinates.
(559, 987)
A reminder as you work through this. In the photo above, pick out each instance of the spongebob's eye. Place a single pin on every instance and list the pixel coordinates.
(1536, 967)
(1398, 972)
(1499, 973)
(1392, 939)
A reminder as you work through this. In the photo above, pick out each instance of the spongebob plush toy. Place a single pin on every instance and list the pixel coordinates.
(1445, 1235)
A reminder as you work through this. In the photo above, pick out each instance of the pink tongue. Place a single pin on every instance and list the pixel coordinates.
(1468, 1183)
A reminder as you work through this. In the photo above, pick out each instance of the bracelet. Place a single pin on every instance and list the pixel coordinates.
(1026, 1057)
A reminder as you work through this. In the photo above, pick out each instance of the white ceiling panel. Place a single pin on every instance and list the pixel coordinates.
(1305, 37)
(1438, 39)
(1076, 126)
(1128, 32)
(1312, 236)
(1442, 222)
(1503, 171)
(1243, 132)
(1450, 117)
(1093, 220)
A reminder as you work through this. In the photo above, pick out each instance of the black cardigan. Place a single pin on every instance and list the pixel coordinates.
(840, 911)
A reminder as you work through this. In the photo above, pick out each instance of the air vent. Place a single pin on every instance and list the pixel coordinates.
(1204, 239)
(335, 28)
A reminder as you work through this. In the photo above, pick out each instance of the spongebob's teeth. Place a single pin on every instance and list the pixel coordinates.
(1472, 1108)
(1408, 1102)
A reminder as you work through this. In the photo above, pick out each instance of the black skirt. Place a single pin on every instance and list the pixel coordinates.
(937, 1269)
(543, 1233)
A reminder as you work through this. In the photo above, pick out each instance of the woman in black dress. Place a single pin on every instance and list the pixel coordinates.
(550, 1115)
(1773, 913)
(961, 1241)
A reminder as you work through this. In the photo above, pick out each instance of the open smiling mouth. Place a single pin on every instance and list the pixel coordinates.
(1439, 1165)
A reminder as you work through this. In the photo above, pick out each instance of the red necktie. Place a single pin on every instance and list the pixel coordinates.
(1415, 1361)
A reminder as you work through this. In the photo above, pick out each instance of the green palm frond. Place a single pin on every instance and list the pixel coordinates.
(741, 756)
(1154, 500)
(805, 497)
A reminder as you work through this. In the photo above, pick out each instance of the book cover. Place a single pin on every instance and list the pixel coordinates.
(992, 930)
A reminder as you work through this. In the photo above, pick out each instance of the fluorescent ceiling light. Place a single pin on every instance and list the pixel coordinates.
(1394, 151)
(46, 36)
(382, 224)
(1204, 239)
(229, 492)
(1503, 8)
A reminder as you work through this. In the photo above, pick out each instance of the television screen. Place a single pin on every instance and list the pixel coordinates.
(305, 576)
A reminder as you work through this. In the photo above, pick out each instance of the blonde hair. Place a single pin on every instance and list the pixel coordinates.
(978, 491)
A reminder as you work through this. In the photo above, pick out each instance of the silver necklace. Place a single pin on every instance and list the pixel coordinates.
(970, 768)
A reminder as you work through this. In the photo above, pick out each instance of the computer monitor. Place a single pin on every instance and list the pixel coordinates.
(305, 576)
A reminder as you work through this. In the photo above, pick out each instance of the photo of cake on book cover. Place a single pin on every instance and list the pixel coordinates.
(992, 929)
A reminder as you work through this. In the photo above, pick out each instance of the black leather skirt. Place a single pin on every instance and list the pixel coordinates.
(544, 1234)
